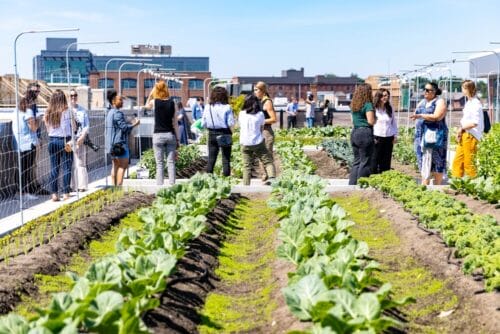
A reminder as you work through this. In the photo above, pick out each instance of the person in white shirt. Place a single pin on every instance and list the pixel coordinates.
(79, 177)
(291, 111)
(251, 120)
(310, 108)
(58, 123)
(385, 131)
(469, 134)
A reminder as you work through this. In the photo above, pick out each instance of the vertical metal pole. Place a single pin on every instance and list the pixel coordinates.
(72, 116)
(16, 83)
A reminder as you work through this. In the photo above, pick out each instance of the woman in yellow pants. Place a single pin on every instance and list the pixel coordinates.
(469, 134)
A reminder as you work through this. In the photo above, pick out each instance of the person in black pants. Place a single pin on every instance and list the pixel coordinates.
(385, 132)
(218, 118)
(363, 119)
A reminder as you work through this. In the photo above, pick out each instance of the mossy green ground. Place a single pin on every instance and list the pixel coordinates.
(407, 276)
(243, 300)
(48, 285)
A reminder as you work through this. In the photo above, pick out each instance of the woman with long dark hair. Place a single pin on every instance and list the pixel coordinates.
(218, 118)
(363, 119)
(385, 131)
(58, 123)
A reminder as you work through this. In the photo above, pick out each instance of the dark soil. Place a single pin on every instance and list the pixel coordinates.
(478, 312)
(194, 279)
(197, 166)
(406, 169)
(327, 167)
(17, 277)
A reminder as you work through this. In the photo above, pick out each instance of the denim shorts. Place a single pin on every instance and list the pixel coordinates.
(125, 155)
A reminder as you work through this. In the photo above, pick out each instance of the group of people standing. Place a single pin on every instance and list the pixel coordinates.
(62, 120)
(373, 135)
(375, 132)
(256, 133)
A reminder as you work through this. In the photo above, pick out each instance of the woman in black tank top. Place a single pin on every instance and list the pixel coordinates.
(165, 133)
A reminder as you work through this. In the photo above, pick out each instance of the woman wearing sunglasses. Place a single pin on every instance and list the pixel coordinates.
(431, 135)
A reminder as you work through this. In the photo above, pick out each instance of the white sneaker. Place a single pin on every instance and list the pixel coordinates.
(30, 197)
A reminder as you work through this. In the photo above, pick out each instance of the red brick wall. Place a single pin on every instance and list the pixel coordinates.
(185, 93)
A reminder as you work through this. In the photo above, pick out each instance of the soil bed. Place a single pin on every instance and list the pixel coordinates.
(448, 301)
(17, 277)
(194, 278)
(197, 166)
(326, 167)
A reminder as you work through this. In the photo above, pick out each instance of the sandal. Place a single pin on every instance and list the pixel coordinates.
(66, 197)
(55, 198)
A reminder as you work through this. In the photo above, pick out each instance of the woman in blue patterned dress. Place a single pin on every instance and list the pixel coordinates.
(430, 114)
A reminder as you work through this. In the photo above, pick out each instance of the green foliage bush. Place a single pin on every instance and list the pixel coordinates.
(187, 154)
(488, 155)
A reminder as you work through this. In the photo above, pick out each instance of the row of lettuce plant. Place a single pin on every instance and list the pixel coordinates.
(116, 290)
(475, 238)
(333, 285)
(312, 136)
(480, 187)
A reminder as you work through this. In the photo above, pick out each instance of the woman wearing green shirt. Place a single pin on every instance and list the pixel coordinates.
(363, 119)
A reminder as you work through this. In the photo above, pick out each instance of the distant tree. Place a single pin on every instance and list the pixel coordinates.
(330, 75)
(482, 88)
(358, 78)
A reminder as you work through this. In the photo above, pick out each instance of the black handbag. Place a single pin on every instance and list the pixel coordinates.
(117, 150)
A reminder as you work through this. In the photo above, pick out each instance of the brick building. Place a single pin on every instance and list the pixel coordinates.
(86, 68)
(293, 83)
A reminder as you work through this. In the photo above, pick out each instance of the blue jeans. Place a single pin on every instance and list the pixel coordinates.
(58, 156)
(164, 143)
(310, 122)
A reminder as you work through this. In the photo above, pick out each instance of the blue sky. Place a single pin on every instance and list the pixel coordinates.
(263, 37)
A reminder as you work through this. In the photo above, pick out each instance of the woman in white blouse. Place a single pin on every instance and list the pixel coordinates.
(469, 134)
(58, 123)
(385, 131)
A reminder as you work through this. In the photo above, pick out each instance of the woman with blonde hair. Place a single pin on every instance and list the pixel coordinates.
(58, 123)
(166, 131)
(469, 134)
(363, 119)
(260, 91)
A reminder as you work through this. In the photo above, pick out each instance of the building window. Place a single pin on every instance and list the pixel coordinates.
(129, 83)
(110, 82)
(149, 83)
(176, 98)
(195, 84)
(174, 84)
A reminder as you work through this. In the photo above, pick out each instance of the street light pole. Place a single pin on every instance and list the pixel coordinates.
(16, 83)
(120, 71)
